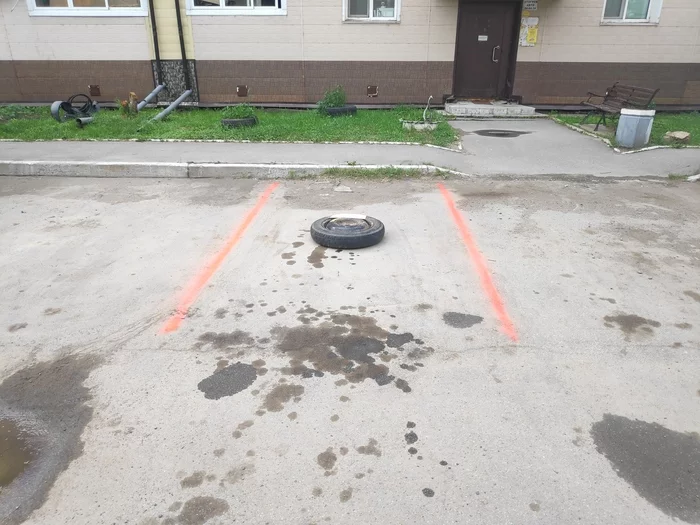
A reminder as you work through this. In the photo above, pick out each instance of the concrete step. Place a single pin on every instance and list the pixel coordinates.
(490, 110)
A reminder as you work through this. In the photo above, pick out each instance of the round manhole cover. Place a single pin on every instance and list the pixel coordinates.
(500, 133)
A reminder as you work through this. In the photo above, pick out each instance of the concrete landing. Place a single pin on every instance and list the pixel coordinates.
(494, 109)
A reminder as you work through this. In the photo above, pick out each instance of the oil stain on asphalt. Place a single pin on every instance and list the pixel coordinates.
(228, 381)
(341, 344)
(317, 256)
(199, 510)
(631, 324)
(459, 320)
(43, 411)
(662, 465)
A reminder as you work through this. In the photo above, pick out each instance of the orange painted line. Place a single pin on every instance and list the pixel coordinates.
(480, 265)
(190, 294)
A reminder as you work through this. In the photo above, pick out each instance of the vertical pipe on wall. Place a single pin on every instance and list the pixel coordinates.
(156, 50)
(185, 69)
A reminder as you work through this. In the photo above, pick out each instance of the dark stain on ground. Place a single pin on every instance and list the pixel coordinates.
(428, 493)
(693, 295)
(288, 255)
(410, 424)
(175, 506)
(343, 451)
(413, 450)
(410, 368)
(52, 311)
(219, 452)
(443, 463)
(335, 417)
(398, 340)
(684, 326)
(317, 256)
(193, 480)
(221, 364)
(535, 507)
(199, 510)
(317, 491)
(315, 346)
(348, 345)
(16, 326)
(292, 416)
(631, 324)
(458, 320)
(422, 307)
(220, 313)
(228, 381)
(411, 437)
(297, 244)
(281, 394)
(327, 459)
(402, 385)
(370, 449)
(662, 465)
(49, 396)
(222, 340)
(16, 452)
(345, 495)
(609, 300)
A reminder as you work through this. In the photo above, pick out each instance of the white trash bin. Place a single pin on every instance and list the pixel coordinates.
(634, 127)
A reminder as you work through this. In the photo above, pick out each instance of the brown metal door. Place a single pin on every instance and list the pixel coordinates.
(484, 50)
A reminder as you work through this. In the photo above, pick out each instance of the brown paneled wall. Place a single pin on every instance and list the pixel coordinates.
(305, 82)
(569, 82)
(49, 80)
(296, 81)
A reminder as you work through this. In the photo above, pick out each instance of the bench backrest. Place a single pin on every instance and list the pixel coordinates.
(624, 96)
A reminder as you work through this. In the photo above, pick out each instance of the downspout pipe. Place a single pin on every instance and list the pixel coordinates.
(185, 69)
(153, 94)
(156, 49)
(172, 106)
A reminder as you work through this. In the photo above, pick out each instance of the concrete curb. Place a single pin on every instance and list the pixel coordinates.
(194, 170)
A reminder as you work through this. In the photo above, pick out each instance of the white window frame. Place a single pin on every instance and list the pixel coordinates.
(223, 9)
(653, 15)
(70, 10)
(372, 19)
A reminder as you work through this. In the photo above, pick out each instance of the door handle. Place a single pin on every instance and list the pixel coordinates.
(493, 54)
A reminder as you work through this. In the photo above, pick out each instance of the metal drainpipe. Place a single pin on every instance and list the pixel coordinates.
(185, 69)
(154, 29)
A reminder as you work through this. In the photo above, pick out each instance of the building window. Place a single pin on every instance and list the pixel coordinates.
(87, 7)
(237, 7)
(377, 10)
(631, 11)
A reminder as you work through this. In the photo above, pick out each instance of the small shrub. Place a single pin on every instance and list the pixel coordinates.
(129, 107)
(334, 98)
(238, 111)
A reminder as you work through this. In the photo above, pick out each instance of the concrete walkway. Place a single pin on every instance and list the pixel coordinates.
(545, 149)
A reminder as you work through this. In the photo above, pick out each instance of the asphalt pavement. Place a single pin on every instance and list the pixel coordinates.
(513, 352)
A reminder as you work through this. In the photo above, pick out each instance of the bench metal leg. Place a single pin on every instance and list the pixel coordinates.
(602, 119)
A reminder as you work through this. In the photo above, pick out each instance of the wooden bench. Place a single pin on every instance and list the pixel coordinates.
(616, 98)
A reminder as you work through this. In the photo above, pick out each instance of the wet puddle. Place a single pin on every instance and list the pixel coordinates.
(15, 452)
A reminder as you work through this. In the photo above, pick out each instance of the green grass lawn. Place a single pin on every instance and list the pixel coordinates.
(663, 122)
(35, 123)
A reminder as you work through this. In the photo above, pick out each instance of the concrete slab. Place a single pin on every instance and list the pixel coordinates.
(493, 109)
(242, 415)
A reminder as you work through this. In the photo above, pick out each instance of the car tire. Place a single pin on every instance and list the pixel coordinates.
(347, 232)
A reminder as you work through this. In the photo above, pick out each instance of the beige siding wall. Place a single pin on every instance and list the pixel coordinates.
(314, 30)
(570, 31)
(168, 36)
(24, 37)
